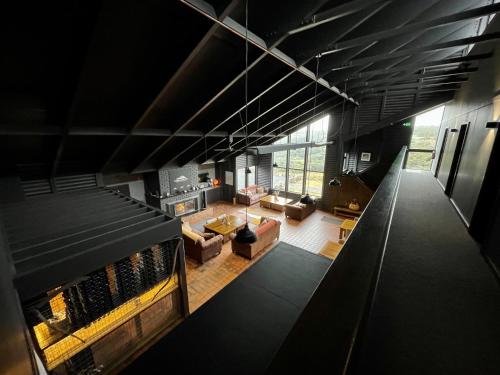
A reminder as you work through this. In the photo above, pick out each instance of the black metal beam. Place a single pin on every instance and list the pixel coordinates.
(289, 128)
(199, 47)
(333, 14)
(233, 26)
(157, 149)
(417, 26)
(412, 91)
(428, 48)
(413, 76)
(103, 131)
(253, 133)
(274, 129)
(412, 67)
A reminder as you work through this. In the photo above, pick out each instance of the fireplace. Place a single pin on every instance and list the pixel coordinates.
(184, 207)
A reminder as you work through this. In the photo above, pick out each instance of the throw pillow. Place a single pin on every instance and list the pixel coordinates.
(260, 190)
(195, 237)
(265, 227)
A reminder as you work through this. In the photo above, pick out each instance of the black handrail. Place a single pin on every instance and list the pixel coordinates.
(326, 335)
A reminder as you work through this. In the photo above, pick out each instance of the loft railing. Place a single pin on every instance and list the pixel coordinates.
(325, 338)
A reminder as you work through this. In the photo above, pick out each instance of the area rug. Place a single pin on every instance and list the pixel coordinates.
(332, 220)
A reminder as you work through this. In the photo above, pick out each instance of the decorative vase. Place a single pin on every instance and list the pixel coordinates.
(354, 205)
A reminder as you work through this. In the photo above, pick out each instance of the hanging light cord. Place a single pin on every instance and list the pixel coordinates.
(314, 114)
(246, 105)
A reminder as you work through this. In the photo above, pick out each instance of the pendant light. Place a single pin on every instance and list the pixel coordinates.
(335, 181)
(245, 235)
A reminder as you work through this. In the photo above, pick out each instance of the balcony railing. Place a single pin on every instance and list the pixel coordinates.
(326, 336)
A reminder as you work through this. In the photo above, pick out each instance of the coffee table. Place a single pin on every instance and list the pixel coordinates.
(274, 203)
(234, 223)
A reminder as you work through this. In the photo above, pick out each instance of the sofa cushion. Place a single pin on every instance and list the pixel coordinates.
(192, 235)
(261, 229)
(260, 190)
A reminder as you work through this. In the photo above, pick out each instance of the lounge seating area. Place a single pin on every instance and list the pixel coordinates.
(201, 246)
(251, 194)
(299, 211)
(266, 232)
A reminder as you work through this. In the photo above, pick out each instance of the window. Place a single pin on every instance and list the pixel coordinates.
(251, 176)
(302, 170)
(423, 140)
(240, 177)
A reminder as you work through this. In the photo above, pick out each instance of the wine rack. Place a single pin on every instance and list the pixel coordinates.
(91, 324)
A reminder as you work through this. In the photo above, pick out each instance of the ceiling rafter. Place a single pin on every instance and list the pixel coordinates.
(241, 128)
(417, 26)
(274, 128)
(412, 67)
(157, 149)
(110, 131)
(428, 48)
(294, 125)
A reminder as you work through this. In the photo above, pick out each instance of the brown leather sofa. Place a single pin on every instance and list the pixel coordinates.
(251, 195)
(201, 246)
(266, 234)
(299, 211)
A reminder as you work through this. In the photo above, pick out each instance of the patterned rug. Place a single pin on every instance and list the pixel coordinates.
(332, 220)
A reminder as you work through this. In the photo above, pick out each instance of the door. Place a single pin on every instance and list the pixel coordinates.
(455, 163)
(441, 153)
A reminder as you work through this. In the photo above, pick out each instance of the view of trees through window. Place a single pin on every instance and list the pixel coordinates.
(423, 140)
(302, 170)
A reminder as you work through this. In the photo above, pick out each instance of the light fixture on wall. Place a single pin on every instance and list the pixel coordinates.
(493, 125)
(245, 235)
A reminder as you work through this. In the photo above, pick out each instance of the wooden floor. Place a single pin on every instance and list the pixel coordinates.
(204, 281)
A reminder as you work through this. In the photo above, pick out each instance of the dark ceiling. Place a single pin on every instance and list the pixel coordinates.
(133, 85)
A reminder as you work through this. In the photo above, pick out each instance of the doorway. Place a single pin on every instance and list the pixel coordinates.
(421, 152)
(455, 163)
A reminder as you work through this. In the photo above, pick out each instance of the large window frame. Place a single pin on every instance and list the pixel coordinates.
(294, 169)
(244, 179)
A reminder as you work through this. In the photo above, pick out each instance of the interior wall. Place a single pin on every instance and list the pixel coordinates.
(476, 103)
(135, 183)
(15, 355)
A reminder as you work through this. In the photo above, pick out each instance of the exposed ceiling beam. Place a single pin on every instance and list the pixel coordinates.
(412, 67)
(411, 85)
(417, 26)
(251, 134)
(413, 76)
(274, 128)
(198, 49)
(160, 147)
(389, 93)
(230, 24)
(416, 50)
(109, 131)
(293, 126)
(333, 14)
(393, 119)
